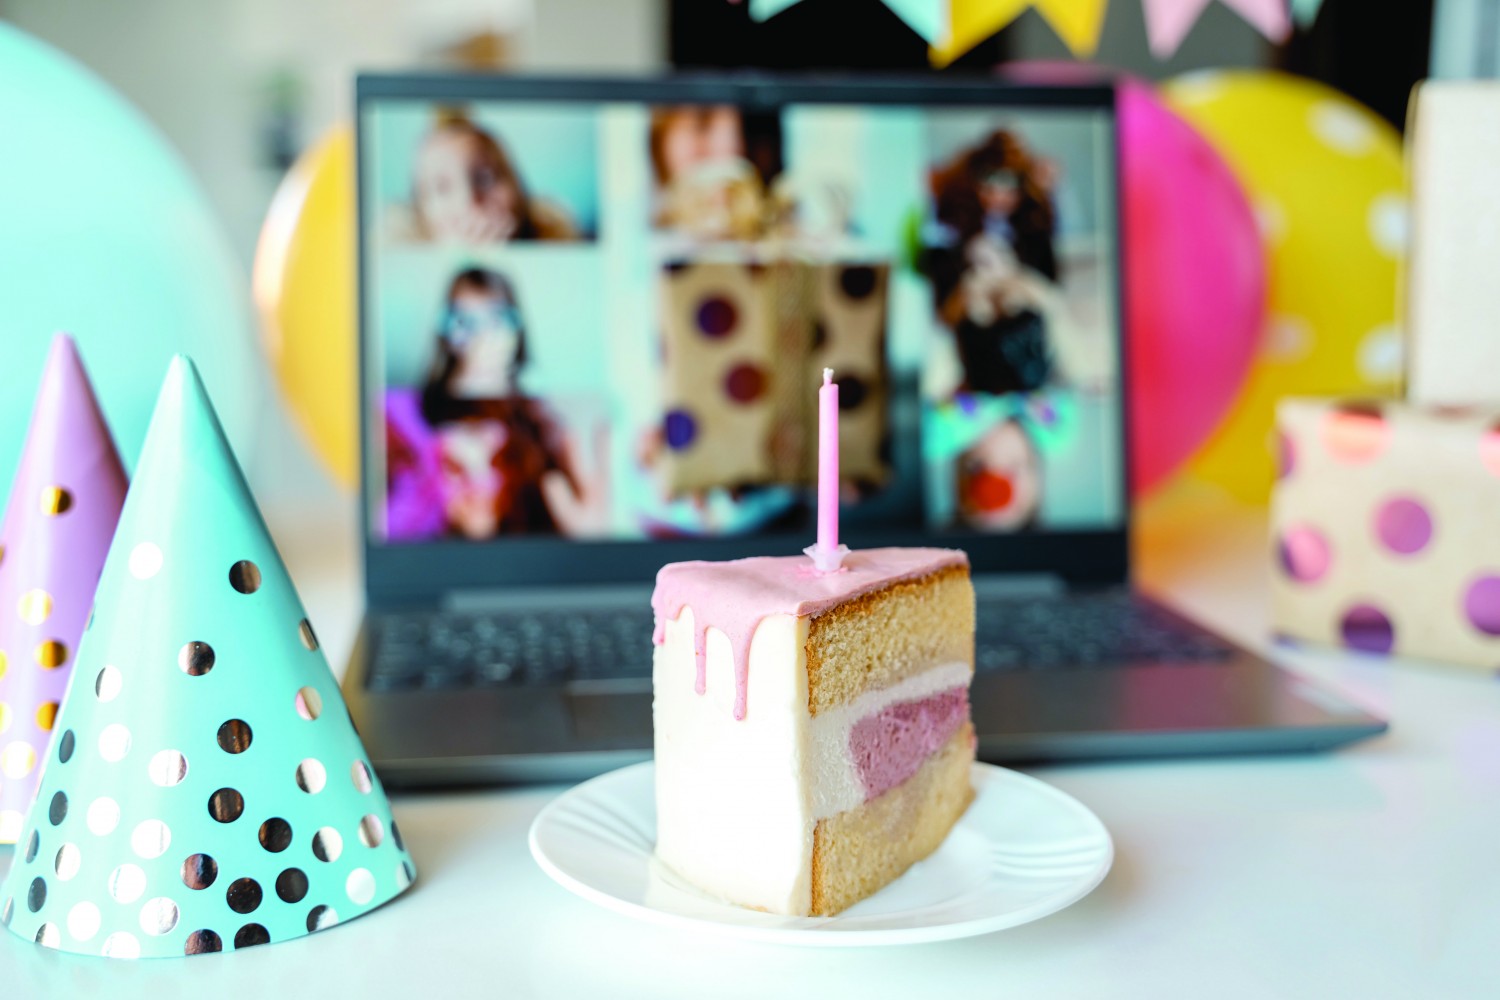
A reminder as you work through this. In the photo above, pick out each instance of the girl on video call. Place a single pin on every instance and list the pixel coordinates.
(507, 467)
(465, 188)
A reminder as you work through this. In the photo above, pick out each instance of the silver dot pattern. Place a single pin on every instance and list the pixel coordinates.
(199, 871)
(107, 683)
(311, 777)
(114, 742)
(150, 839)
(142, 848)
(244, 576)
(121, 944)
(168, 768)
(159, 916)
(309, 703)
(371, 830)
(196, 658)
(327, 845)
(67, 861)
(127, 883)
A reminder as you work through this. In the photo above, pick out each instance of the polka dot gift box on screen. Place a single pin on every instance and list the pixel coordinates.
(1384, 523)
(744, 344)
(206, 789)
(63, 507)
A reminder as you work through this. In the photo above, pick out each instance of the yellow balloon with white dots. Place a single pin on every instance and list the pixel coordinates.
(1326, 179)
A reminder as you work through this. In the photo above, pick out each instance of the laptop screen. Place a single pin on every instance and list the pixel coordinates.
(608, 319)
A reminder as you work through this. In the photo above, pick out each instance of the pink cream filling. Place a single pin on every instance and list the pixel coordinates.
(890, 746)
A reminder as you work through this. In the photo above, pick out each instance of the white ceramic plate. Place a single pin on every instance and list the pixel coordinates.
(1022, 850)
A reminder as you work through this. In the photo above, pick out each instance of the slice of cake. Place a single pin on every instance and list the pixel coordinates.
(812, 730)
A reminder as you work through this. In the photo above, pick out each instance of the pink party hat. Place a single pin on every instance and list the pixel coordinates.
(62, 513)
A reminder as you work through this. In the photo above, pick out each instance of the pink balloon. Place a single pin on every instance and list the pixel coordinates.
(1195, 284)
(1195, 274)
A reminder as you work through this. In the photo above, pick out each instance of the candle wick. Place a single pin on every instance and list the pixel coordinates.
(827, 376)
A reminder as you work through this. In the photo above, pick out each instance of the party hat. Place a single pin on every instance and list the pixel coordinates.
(62, 513)
(207, 789)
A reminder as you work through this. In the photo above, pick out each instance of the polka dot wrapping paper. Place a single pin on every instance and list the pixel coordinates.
(206, 789)
(64, 504)
(1384, 527)
(744, 344)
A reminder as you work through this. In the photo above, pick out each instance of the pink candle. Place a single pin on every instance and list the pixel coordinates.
(828, 463)
(828, 555)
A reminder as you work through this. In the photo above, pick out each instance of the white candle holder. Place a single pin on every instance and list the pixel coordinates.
(827, 560)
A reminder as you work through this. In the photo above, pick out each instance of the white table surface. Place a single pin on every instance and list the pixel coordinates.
(1374, 871)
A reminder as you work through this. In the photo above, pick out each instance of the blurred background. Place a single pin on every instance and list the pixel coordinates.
(240, 89)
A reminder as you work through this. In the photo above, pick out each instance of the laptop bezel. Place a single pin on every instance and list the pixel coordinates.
(408, 573)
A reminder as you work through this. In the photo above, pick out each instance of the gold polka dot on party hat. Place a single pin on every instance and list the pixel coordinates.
(35, 606)
(51, 654)
(55, 500)
(17, 760)
(4, 661)
(4, 716)
(46, 714)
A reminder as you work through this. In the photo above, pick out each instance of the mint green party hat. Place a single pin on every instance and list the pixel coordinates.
(206, 789)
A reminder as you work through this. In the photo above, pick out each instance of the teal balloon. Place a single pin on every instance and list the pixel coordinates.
(205, 789)
(105, 234)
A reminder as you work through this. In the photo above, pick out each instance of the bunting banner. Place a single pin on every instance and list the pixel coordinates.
(954, 27)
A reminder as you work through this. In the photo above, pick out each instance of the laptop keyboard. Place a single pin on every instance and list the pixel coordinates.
(1085, 631)
(449, 650)
(445, 650)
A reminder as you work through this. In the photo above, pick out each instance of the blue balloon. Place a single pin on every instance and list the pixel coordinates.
(105, 234)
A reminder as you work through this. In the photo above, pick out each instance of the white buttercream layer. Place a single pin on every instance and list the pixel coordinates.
(733, 808)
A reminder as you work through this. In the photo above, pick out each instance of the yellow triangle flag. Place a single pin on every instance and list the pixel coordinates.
(1077, 23)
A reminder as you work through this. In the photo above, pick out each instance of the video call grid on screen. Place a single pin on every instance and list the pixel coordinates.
(609, 320)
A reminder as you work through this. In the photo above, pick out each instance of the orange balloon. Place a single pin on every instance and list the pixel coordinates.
(304, 284)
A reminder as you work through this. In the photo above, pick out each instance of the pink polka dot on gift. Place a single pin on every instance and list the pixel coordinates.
(1305, 553)
(1489, 450)
(1355, 433)
(1403, 525)
(1482, 604)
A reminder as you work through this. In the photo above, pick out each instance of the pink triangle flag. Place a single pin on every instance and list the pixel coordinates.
(1169, 21)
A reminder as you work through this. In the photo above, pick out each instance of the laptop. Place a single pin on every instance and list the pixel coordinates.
(593, 316)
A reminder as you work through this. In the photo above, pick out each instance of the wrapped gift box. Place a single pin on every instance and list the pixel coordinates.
(1386, 522)
(744, 346)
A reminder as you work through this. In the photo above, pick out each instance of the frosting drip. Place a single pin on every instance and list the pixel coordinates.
(735, 596)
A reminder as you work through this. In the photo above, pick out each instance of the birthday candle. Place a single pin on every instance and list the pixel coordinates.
(827, 554)
(828, 463)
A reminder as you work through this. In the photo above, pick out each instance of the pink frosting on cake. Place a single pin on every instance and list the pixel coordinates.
(735, 596)
(890, 746)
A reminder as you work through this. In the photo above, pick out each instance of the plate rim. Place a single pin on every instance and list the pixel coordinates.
(828, 937)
